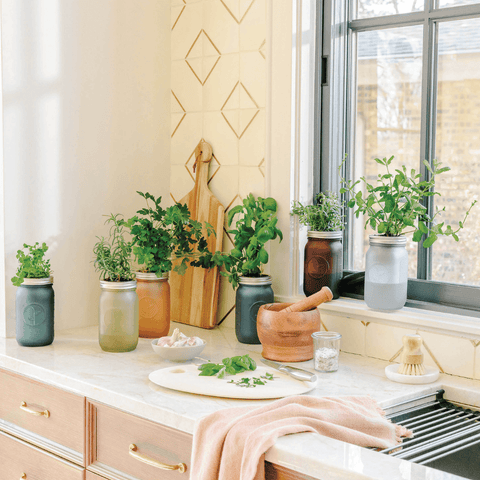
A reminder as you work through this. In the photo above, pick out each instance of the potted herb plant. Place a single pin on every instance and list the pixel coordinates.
(160, 236)
(394, 208)
(323, 258)
(255, 226)
(118, 309)
(35, 299)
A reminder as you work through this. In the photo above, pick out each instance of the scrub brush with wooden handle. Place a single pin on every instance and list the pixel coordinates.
(412, 356)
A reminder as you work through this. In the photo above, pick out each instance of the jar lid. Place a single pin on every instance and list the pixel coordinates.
(38, 281)
(337, 235)
(263, 280)
(399, 241)
(131, 285)
(327, 335)
(152, 277)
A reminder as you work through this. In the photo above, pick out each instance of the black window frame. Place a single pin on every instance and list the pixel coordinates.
(334, 107)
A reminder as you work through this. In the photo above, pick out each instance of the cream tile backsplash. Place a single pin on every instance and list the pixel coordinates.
(219, 93)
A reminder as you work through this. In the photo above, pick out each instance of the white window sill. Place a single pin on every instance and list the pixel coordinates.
(426, 320)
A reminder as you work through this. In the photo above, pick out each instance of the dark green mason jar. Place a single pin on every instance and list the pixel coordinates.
(34, 307)
(252, 293)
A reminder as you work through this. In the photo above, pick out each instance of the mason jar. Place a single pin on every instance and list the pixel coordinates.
(154, 305)
(386, 272)
(252, 293)
(34, 309)
(323, 262)
(118, 316)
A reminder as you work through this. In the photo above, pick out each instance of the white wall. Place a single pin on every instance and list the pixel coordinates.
(86, 105)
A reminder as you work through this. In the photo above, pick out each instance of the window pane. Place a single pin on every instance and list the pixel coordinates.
(380, 8)
(458, 146)
(388, 114)
(452, 3)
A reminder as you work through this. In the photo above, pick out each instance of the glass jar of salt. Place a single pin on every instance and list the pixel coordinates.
(326, 347)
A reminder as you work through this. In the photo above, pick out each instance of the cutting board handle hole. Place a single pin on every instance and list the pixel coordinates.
(177, 370)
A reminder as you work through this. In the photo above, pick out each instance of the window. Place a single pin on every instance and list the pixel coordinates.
(402, 77)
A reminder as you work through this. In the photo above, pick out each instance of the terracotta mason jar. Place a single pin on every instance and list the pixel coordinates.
(323, 262)
(154, 305)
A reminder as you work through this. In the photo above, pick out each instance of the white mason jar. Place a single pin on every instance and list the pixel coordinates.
(386, 273)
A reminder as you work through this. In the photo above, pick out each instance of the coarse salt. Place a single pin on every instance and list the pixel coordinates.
(326, 359)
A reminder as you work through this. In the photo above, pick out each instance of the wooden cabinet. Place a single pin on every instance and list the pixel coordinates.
(45, 416)
(122, 444)
(19, 460)
(70, 438)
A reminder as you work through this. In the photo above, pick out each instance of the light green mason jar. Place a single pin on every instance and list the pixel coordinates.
(118, 316)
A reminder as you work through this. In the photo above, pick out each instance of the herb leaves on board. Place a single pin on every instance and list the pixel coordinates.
(229, 366)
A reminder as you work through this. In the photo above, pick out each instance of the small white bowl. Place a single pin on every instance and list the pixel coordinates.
(178, 354)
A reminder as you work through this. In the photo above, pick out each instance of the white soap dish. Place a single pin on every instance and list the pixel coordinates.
(430, 376)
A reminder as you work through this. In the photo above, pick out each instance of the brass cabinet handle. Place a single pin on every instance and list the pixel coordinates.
(181, 467)
(24, 475)
(38, 413)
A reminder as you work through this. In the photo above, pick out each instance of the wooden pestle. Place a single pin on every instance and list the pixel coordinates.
(324, 295)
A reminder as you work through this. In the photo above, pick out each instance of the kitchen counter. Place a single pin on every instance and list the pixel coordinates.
(76, 363)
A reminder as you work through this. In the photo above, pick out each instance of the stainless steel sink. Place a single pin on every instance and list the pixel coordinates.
(446, 435)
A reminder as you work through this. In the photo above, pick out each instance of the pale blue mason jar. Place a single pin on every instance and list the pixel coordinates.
(386, 273)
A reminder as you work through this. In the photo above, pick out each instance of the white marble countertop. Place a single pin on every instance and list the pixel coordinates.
(75, 362)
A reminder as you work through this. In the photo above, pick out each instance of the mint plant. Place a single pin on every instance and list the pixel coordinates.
(324, 216)
(32, 264)
(255, 226)
(112, 254)
(397, 203)
(159, 236)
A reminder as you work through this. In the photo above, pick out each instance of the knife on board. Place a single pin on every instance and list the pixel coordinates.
(297, 373)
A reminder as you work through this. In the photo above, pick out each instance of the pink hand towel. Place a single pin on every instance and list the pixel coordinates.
(230, 444)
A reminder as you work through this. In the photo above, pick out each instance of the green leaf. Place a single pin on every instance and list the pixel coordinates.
(382, 227)
(430, 240)
(389, 203)
(417, 236)
(263, 256)
(422, 227)
(264, 235)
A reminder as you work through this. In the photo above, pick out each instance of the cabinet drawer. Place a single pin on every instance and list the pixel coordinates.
(93, 476)
(45, 416)
(125, 446)
(18, 458)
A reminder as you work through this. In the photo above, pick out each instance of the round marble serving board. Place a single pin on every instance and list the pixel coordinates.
(185, 378)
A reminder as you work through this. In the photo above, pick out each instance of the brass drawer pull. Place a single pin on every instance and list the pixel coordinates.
(181, 467)
(25, 408)
(24, 475)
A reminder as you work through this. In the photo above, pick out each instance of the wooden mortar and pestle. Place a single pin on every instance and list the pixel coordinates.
(285, 329)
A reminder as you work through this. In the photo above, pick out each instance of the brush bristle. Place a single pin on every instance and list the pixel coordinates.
(411, 369)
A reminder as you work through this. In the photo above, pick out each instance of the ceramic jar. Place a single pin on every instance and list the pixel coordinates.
(118, 316)
(252, 292)
(287, 336)
(323, 262)
(154, 305)
(34, 308)
(386, 273)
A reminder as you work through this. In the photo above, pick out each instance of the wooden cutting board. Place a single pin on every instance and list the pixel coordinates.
(185, 378)
(194, 296)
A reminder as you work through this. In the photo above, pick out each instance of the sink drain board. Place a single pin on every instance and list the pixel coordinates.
(446, 436)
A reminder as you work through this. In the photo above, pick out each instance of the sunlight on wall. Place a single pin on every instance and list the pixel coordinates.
(86, 98)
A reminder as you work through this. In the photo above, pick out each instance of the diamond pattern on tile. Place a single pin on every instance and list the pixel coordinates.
(239, 120)
(178, 113)
(261, 167)
(202, 64)
(263, 49)
(238, 9)
(176, 13)
(239, 97)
